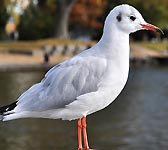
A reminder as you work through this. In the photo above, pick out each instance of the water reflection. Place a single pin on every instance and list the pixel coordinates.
(13, 84)
(136, 120)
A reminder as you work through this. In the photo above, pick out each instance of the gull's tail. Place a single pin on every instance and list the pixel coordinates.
(5, 109)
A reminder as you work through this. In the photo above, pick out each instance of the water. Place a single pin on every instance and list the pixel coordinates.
(137, 120)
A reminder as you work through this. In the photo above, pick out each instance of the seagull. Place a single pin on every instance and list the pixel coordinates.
(86, 83)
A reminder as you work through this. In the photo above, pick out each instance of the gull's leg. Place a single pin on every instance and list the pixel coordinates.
(79, 123)
(85, 140)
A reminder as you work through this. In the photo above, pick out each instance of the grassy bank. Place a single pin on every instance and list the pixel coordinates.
(159, 46)
(33, 45)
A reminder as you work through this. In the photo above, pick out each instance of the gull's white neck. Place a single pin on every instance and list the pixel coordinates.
(114, 47)
(114, 43)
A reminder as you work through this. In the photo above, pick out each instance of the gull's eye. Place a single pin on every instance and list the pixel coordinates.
(132, 18)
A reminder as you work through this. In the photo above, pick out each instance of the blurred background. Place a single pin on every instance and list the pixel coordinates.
(37, 34)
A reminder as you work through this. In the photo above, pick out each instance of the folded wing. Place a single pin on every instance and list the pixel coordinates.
(63, 84)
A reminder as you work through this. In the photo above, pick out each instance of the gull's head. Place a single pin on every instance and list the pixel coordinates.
(127, 19)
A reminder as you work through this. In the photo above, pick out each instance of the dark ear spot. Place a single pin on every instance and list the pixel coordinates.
(119, 17)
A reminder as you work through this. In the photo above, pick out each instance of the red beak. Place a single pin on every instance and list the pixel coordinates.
(151, 27)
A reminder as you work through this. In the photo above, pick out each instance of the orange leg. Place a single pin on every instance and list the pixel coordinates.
(79, 123)
(85, 139)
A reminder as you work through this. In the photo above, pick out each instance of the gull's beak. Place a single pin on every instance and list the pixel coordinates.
(151, 27)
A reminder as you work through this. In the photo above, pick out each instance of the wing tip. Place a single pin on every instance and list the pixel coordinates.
(7, 108)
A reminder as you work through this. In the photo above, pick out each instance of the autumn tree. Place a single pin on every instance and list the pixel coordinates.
(87, 16)
(50, 17)
(72, 18)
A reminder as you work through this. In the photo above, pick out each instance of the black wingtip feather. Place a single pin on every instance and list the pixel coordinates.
(6, 108)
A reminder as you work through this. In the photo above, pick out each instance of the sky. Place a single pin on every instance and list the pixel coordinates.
(21, 5)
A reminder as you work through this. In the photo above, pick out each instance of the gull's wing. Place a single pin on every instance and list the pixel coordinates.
(63, 84)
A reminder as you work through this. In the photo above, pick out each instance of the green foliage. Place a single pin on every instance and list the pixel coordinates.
(39, 21)
(36, 23)
(45, 19)
(3, 19)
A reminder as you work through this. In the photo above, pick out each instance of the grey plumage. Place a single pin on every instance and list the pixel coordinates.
(63, 84)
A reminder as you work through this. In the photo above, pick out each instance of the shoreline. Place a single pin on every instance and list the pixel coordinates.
(31, 67)
(10, 62)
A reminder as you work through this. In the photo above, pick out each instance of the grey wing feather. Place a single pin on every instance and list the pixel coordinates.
(62, 84)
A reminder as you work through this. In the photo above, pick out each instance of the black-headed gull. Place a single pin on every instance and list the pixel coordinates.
(86, 83)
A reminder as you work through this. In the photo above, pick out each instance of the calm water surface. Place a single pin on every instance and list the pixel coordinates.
(137, 120)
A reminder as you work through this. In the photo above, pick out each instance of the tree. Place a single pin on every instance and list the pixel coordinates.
(3, 18)
(49, 17)
(87, 16)
(62, 17)
(36, 22)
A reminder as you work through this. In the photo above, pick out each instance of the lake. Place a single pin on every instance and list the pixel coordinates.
(137, 120)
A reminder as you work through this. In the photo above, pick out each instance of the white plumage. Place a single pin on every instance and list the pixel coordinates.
(89, 81)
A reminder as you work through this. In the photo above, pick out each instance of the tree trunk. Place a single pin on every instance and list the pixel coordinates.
(62, 18)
